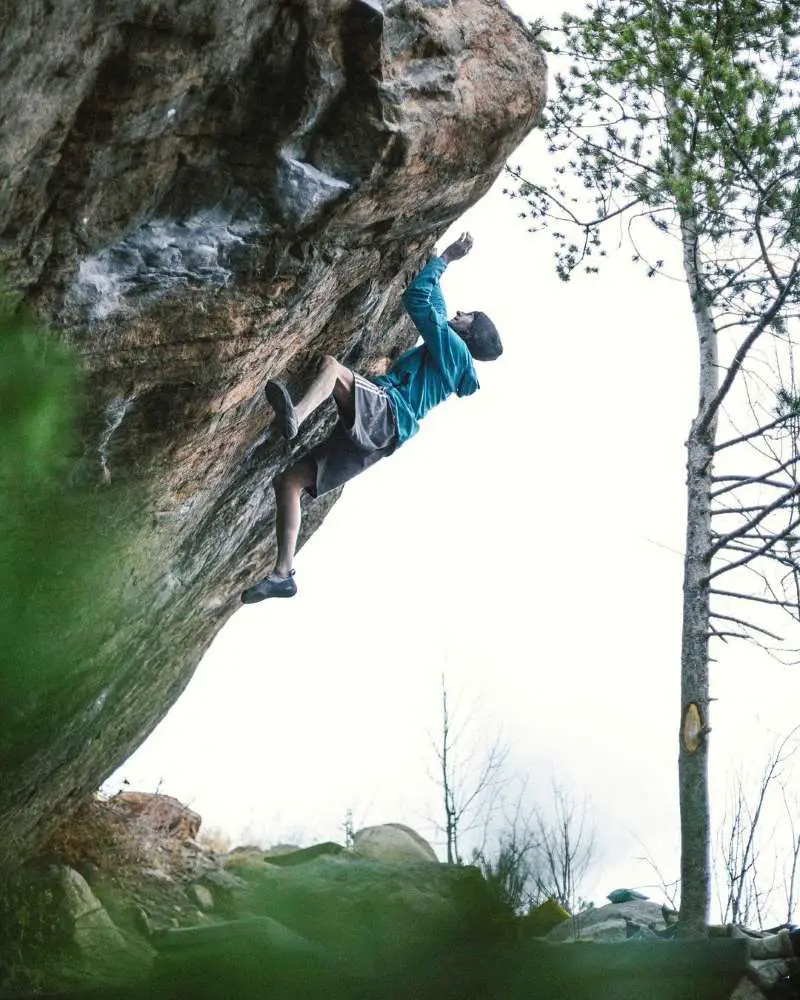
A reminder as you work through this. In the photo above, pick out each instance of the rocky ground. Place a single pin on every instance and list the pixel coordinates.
(125, 896)
(127, 901)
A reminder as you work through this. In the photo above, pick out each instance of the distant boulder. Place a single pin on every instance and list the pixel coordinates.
(633, 918)
(392, 842)
(161, 812)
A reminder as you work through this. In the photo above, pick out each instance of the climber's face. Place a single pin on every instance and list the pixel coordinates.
(461, 322)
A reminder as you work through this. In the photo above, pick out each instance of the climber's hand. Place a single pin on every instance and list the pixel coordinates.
(459, 249)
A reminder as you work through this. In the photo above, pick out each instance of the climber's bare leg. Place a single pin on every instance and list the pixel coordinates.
(331, 379)
(289, 486)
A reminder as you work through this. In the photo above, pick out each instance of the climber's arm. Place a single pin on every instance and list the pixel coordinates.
(425, 304)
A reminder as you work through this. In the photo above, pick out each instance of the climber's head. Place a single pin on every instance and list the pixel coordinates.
(479, 334)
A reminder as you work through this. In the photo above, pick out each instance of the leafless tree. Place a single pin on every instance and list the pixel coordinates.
(749, 879)
(565, 842)
(509, 869)
(669, 887)
(543, 852)
(470, 775)
(790, 879)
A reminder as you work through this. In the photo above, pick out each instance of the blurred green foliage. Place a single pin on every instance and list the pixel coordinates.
(57, 534)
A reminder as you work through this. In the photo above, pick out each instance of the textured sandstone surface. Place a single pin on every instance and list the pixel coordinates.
(198, 196)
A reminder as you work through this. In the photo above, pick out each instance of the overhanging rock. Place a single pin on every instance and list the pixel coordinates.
(199, 196)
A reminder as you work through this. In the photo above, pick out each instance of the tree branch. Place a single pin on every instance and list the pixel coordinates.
(737, 482)
(571, 217)
(751, 597)
(753, 523)
(782, 560)
(756, 433)
(745, 624)
(738, 359)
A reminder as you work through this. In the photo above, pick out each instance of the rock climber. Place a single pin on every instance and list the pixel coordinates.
(376, 414)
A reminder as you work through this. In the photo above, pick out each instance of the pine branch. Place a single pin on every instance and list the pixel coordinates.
(570, 215)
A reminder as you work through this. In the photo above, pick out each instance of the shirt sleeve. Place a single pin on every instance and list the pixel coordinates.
(425, 305)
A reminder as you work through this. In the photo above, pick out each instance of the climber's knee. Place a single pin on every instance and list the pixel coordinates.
(344, 389)
(295, 478)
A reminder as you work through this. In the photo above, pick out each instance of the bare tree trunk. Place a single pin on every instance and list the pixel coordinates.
(450, 816)
(693, 755)
(470, 781)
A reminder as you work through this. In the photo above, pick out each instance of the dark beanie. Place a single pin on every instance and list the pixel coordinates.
(483, 340)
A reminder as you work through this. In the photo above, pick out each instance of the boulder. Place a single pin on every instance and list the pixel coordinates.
(614, 922)
(392, 842)
(162, 814)
(777, 945)
(202, 896)
(104, 954)
(197, 197)
(92, 928)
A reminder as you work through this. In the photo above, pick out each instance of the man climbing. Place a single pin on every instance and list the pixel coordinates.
(378, 414)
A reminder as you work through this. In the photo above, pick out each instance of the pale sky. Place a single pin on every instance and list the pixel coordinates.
(527, 542)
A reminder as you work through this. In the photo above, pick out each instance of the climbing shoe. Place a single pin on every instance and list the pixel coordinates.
(270, 586)
(281, 402)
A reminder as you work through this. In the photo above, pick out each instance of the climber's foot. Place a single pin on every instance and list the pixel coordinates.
(271, 586)
(281, 402)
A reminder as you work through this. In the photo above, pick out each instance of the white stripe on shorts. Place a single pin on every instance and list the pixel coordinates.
(368, 386)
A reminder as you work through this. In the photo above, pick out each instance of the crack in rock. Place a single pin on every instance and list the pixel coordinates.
(115, 413)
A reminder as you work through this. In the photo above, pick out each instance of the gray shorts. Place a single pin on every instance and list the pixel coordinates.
(355, 445)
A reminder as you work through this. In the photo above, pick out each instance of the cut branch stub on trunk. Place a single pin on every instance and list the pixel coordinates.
(694, 730)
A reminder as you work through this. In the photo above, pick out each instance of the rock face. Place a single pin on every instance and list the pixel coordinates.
(199, 196)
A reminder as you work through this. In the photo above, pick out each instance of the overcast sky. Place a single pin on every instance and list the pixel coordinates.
(527, 542)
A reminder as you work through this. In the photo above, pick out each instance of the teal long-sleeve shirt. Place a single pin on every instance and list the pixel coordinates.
(424, 376)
